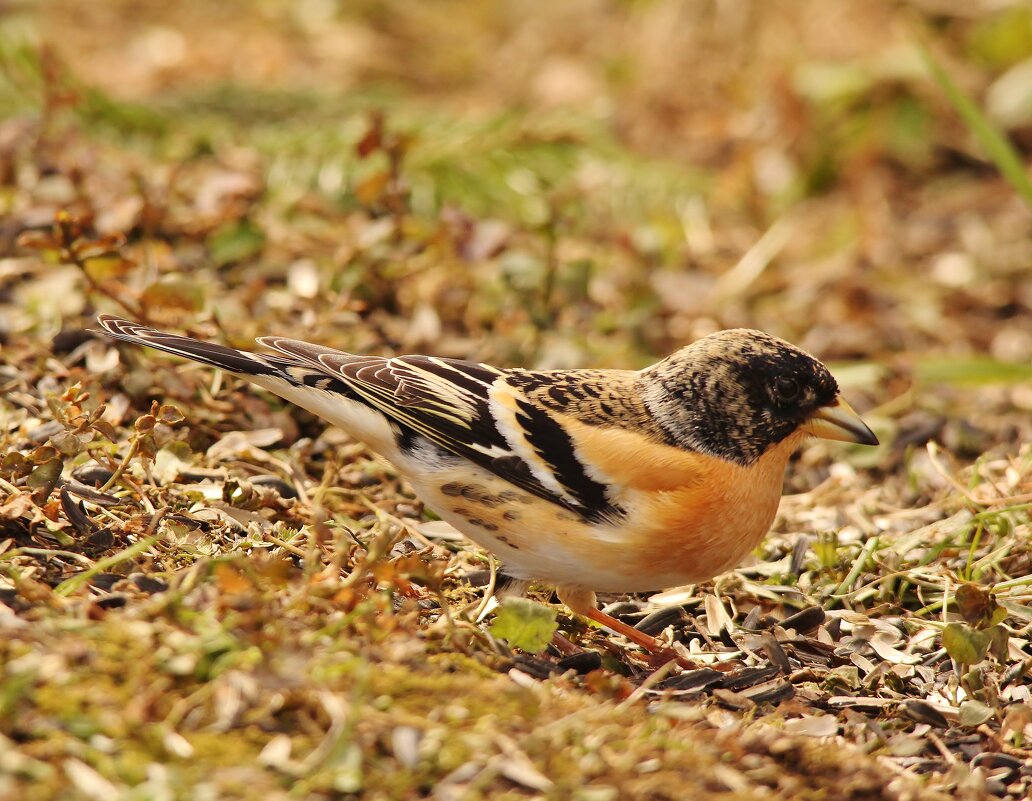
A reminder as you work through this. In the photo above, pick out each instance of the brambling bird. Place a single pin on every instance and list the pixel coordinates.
(587, 480)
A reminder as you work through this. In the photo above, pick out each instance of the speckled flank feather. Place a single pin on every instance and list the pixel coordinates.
(587, 479)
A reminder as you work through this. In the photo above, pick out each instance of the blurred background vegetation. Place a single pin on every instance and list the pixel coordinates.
(589, 181)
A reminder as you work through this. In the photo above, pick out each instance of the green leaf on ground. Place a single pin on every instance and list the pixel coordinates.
(965, 644)
(974, 713)
(524, 624)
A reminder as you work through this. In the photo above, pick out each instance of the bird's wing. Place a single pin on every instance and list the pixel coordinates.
(564, 436)
(471, 410)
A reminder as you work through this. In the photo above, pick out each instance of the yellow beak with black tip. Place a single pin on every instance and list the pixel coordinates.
(838, 421)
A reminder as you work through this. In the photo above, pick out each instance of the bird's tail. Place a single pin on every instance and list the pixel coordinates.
(300, 380)
(232, 360)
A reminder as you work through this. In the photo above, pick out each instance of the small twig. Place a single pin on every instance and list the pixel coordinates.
(446, 613)
(111, 516)
(283, 544)
(651, 681)
(377, 549)
(1001, 744)
(752, 265)
(186, 703)
(135, 311)
(156, 517)
(489, 589)
(940, 746)
(933, 451)
(134, 447)
(48, 552)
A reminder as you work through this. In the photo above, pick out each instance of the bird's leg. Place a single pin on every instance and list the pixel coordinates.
(640, 638)
(583, 603)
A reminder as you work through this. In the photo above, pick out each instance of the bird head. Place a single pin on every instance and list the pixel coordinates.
(736, 393)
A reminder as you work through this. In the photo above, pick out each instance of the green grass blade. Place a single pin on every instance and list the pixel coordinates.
(70, 585)
(997, 147)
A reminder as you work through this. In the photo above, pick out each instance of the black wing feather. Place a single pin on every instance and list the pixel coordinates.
(398, 388)
(445, 401)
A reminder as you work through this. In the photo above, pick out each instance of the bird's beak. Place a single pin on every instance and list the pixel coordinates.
(838, 421)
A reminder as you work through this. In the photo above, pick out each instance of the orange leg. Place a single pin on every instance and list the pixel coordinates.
(583, 603)
(662, 653)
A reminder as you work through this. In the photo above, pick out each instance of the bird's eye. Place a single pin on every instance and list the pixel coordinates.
(786, 388)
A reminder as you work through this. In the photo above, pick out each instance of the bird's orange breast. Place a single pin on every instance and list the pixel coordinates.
(705, 529)
(690, 516)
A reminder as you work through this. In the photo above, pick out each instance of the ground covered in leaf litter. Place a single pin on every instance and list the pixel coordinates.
(211, 593)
